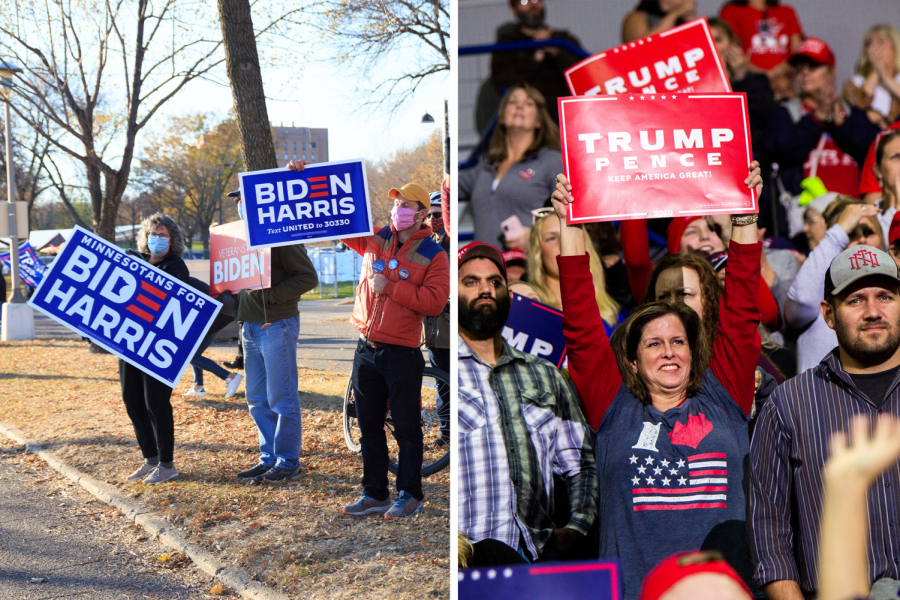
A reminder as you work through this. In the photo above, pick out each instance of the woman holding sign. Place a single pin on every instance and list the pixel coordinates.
(161, 243)
(670, 412)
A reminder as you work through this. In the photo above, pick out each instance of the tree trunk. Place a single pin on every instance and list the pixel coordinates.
(244, 74)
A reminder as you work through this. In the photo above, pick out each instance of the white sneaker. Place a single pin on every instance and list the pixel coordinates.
(201, 393)
(145, 470)
(233, 385)
(161, 474)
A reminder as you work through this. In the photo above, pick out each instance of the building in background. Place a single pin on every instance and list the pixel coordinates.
(300, 143)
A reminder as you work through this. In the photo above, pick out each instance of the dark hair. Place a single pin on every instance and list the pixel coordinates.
(724, 26)
(546, 134)
(745, 2)
(883, 140)
(710, 290)
(627, 336)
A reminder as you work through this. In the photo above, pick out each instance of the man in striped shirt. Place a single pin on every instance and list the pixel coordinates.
(790, 443)
(519, 425)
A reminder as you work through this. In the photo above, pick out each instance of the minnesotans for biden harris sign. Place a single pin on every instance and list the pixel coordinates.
(638, 156)
(327, 201)
(125, 305)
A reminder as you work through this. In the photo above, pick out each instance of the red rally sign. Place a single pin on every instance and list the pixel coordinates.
(233, 266)
(680, 60)
(638, 156)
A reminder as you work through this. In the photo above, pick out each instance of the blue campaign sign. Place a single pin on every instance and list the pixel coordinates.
(536, 328)
(597, 580)
(31, 269)
(327, 201)
(132, 309)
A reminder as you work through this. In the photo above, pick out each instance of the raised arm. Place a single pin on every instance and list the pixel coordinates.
(737, 345)
(636, 252)
(591, 361)
(808, 290)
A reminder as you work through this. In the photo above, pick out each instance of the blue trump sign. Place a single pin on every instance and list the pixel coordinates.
(123, 304)
(536, 328)
(597, 580)
(327, 201)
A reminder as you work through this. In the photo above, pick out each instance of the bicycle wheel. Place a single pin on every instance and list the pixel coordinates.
(351, 427)
(435, 425)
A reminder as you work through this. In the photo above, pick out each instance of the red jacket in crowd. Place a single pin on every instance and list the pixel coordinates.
(419, 286)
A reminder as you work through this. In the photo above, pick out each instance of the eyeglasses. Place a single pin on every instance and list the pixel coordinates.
(540, 213)
(525, 2)
(162, 237)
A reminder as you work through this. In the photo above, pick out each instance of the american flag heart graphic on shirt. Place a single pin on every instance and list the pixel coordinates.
(700, 481)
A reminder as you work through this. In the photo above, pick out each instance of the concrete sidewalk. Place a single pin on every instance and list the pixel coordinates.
(57, 541)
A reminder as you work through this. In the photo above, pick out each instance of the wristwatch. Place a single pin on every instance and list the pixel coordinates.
(740, 221)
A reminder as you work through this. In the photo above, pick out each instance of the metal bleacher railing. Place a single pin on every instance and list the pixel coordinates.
(481, 147)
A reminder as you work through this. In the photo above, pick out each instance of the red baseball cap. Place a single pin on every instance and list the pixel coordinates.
(894, 231)
(515, 255)
(481, 250)
(815, 50)
(675, 231)
(677, 567)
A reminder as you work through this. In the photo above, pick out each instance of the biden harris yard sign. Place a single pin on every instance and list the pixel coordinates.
(327, 201)
(123, 304)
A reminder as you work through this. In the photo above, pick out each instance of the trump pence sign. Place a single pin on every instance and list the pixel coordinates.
(637, 156)
(125, 305)
(680, 60)
(327, 201)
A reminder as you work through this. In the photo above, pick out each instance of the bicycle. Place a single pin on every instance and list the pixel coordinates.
(436, 447)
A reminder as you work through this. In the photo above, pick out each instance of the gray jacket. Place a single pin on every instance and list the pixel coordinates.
(526, 186)
(802, 306)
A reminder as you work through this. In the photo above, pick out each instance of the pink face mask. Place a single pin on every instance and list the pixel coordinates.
(403, 217)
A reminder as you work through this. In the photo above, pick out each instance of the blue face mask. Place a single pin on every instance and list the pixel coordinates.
(241, 210)
(157, 245)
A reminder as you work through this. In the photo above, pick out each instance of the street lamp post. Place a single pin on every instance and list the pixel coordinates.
(427, 119)
(18, 320)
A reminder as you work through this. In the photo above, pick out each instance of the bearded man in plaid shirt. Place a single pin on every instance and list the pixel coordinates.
(519, 425)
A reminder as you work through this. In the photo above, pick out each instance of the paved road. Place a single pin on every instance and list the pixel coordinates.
(58, 541)
(327, 339)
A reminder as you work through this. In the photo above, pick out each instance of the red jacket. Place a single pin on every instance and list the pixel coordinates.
(395, 316)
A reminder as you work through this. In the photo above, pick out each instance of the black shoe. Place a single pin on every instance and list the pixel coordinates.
(237, 363)
(276, 474)
(256, 471)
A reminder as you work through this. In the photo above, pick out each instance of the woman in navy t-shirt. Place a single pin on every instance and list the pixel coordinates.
(672, 444)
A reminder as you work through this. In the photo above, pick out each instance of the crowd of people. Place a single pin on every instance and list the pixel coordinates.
(707, 382)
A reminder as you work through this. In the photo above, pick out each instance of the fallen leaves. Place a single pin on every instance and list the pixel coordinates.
(291, 536)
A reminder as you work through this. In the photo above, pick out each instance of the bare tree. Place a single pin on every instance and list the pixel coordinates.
(369, 32)
(245, 76)
(100, 70)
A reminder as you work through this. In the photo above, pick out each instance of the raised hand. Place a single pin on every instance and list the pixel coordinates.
(861, 458)
(754, 179)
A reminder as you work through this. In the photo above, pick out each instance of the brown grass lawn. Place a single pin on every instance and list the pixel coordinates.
(293, 538)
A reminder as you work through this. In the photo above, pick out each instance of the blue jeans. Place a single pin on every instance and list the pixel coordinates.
(270, 367)
(200, 362)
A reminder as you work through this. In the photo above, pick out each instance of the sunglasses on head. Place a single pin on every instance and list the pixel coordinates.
(540, 213)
